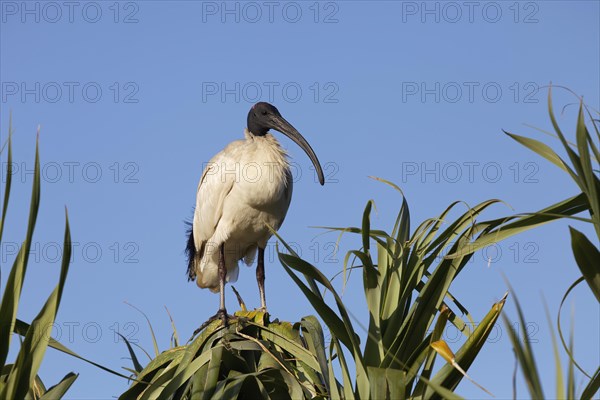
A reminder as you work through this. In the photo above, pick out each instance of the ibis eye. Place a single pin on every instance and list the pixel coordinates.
(264, 113)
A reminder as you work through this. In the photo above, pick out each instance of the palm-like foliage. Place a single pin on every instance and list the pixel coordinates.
(252, 358)
(19, 380)
(407, 280)
(583, 169)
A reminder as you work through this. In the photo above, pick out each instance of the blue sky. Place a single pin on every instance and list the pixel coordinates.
(134, 97)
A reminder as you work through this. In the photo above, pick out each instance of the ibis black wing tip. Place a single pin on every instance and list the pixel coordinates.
(190, 252)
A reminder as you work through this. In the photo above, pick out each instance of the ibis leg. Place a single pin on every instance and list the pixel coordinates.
(260, 278)
(222, 274)
(222, 313)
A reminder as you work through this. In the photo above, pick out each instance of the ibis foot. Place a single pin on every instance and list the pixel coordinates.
(221, 314)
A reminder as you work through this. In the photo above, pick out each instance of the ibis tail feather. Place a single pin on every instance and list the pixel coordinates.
(190, 252)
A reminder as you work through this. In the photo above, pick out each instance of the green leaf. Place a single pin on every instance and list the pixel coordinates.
(524, 353)
(279, 336)
(333, 389)
(592, 387)
(212, 375)
(35, 344)
(587, 257)
(343, 328)
(14, 284)
(396, 381)
(346, 380)
(377, 382)
(427, 354)
(560, 386)
(154, 342)
(9, 169)
(136, 364)
(558, 323)
(571, 370)
(428, 301)
(58, 391)
(543, 150)
(575, 160)
(589, 181)
(504, 229)
(331, 319)
(450, 377)
(316, 344)
(151, 370)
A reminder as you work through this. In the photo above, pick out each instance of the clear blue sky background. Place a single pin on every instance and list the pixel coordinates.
(133, 104)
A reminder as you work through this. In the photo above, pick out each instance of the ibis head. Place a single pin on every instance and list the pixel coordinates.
(264, 116)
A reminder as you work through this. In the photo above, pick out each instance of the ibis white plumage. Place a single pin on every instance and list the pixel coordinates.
(244, 189)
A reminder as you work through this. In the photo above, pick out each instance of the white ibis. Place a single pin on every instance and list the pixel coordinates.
(244, 189)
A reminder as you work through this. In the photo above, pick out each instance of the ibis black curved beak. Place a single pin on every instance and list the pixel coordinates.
(281, 125)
